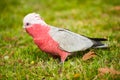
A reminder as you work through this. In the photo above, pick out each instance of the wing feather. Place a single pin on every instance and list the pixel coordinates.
(70, 41)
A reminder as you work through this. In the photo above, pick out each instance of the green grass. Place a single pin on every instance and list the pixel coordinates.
(93, 18)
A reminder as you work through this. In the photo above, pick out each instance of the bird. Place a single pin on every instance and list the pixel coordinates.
(58, 41)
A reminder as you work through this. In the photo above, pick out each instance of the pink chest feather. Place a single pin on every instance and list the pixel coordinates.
(45, 43)
(43, 40)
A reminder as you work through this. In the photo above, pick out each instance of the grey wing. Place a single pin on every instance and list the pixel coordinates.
(69, 41)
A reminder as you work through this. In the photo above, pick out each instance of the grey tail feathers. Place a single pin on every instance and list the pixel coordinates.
(98, 43)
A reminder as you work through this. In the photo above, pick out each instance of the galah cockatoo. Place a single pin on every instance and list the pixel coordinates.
(57, 41)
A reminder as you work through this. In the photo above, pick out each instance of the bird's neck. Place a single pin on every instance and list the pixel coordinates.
(37, 30)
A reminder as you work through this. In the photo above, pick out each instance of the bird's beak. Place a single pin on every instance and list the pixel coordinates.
(24, 26)
(24, 29)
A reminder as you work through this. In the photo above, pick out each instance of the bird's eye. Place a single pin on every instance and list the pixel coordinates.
(27, 24)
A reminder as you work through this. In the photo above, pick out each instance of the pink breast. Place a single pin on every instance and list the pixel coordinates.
(43, 40)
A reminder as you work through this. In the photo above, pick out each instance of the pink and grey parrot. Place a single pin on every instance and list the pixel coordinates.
(58, 41)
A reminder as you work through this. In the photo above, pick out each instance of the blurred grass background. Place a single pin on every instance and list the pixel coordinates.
(20, 58)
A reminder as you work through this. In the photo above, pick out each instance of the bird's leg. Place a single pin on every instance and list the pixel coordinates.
(63, 57)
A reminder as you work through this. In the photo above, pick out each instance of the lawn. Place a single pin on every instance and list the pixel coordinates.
(20, 58)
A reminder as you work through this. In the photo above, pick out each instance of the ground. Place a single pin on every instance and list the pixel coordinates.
(20, 58)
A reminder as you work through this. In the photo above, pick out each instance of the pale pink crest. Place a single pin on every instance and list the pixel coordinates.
(32, 18)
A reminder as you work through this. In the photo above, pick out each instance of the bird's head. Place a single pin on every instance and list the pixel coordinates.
(32, 18)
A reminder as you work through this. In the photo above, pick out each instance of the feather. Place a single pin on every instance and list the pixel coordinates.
(69, 41)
